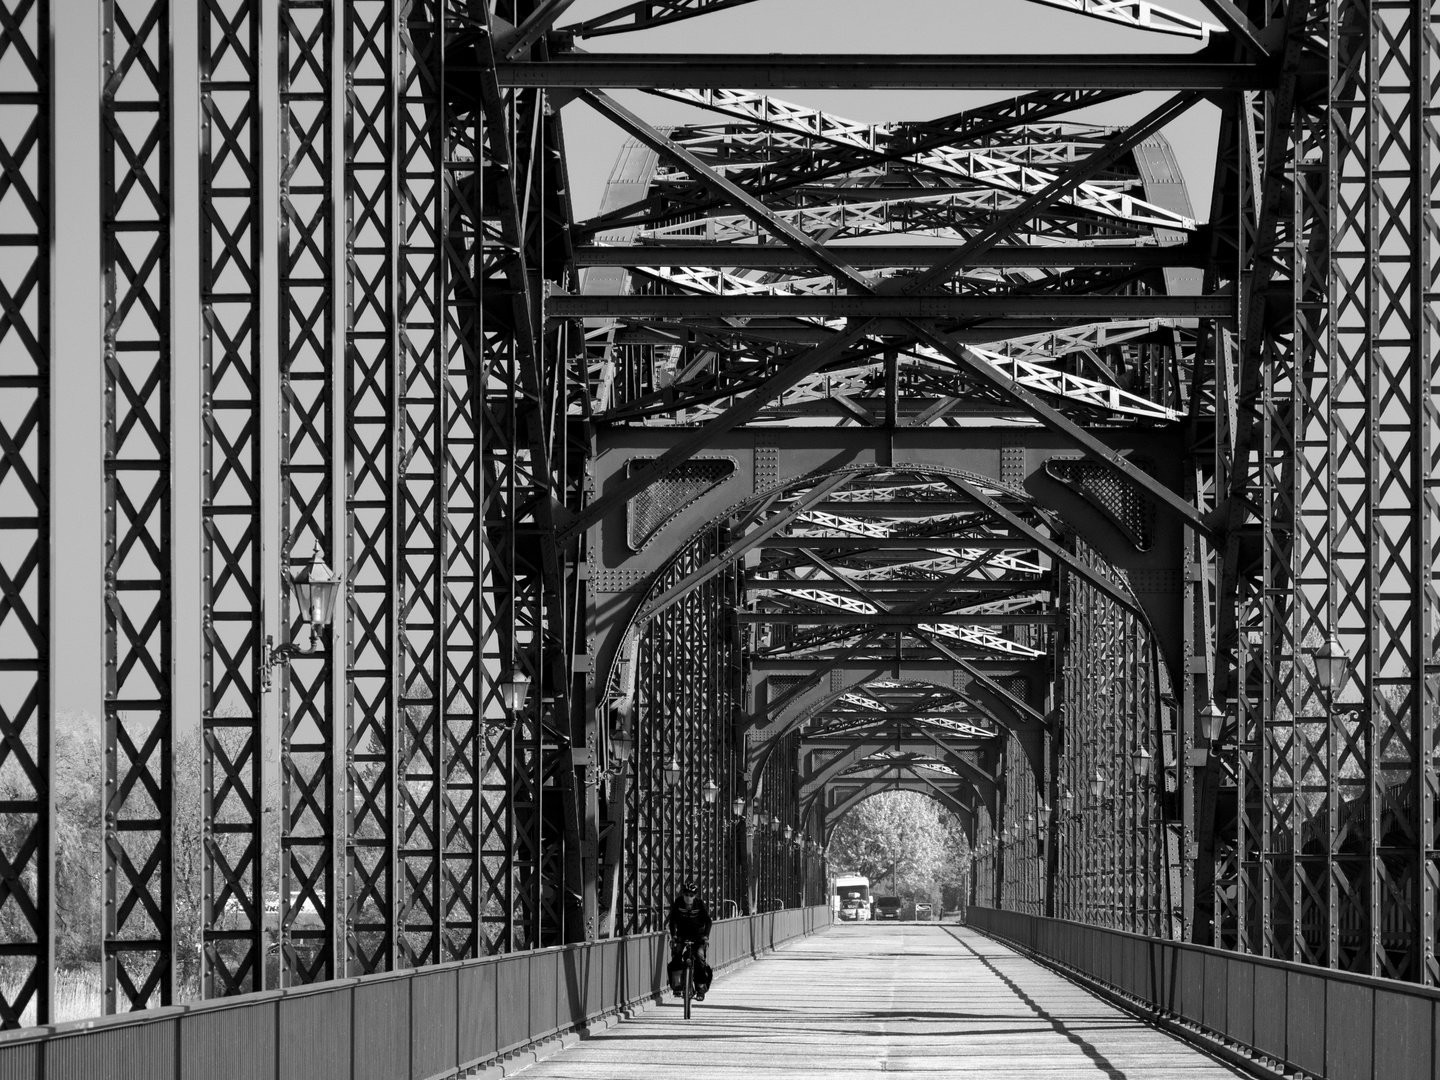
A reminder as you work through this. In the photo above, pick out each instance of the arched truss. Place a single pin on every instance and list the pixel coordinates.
(1248, 407)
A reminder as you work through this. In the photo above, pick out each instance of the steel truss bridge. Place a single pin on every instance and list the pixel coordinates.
(951, 454)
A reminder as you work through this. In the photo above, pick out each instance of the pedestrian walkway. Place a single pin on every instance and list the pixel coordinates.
(862, 1000)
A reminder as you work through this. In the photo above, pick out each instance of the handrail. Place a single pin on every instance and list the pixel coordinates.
(418, 1024)
(1338, 1025)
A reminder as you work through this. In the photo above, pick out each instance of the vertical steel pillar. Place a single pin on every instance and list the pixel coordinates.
(135, 191)
(232, 586)
(27, 851)
(373, 68)
(307, 274)
(423, 491)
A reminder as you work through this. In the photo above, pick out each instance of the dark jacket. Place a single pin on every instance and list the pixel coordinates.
(692, 924)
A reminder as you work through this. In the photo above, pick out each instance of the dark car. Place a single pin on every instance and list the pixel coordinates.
(887, 907)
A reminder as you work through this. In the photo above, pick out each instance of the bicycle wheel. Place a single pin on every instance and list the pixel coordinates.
(689, 984)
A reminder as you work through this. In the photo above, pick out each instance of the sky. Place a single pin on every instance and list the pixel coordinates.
(832, 26)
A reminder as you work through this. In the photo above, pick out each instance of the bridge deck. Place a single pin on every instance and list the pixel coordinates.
(863, 1000)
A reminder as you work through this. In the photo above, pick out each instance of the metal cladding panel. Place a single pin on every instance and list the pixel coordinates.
(236, 1042)
(1217, 988)
(138, 1050)
(1270, 990)
(433, 1001)
(1305, 1021)
(20, 1062)
(382, 1029)
(633, 972)
(610, 952)
(476, 1013)
(512, 1003)
(544, 983)
(1405, 1036)
(1240, 1000)
(1349, 1025)
(314, 1033)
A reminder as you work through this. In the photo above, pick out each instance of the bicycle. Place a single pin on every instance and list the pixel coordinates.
(686, 957)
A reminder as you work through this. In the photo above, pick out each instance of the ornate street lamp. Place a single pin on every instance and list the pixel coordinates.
(1067, 800)
(1332, 666)
(622, 741)
(672, 772)
(738, 806)
(788, 832)
(1097, 784)
(514, 691)
(316, 588)
(710, 792)
(775, 823)
(1211, 719)
(1141, 760)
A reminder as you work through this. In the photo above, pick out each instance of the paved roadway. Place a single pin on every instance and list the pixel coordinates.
(862, 1000)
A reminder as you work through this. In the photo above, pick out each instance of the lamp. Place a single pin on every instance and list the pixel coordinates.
(775, 823)
(514, 690)
(709, 792)
(1067, 800)
(672, 772)
(1097, 784)
(738, 806)
(759, 819)
(316, 587)
(1331, 666)
(1141, 760)
(1210, 720)
(623, 743)
(787, 832)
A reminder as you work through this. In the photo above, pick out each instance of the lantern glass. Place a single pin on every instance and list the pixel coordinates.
(515, 690)
(623, 743)
(1141, 761)
(1331, 665)
(787, 832)
(1067, 800)
(759, 820)
(1210, 720)
(710, 792)
(775, 823)
(672, 772)
(315, 587)
(1097, 784)
(738, 806)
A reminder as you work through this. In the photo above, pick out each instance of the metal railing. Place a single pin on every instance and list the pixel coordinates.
(419, 1024)
(1324, 1023)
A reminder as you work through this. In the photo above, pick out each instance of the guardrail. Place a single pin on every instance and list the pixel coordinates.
(1325, 1023)
(420, 1024)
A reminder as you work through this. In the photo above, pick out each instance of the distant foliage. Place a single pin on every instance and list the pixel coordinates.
(912, 834)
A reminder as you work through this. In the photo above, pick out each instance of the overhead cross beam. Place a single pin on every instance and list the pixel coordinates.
(811, 71)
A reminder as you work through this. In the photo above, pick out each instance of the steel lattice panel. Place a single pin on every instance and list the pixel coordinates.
(135, 168)
(310, 932)
(372, 58)
(27, 855)
(230, 245)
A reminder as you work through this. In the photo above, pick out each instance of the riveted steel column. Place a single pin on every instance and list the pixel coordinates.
(27, 854)
(135, 193)
(230, 232)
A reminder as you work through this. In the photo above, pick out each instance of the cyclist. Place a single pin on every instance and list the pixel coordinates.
(689, 921)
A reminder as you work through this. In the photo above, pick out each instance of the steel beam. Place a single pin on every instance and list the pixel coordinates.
(762, 306)
(883, 256)
(776, 71)
(27, 844)
(136, 170)
(829, 618)
(232, 608)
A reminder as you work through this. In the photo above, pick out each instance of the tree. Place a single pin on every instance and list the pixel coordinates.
(904, 834)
